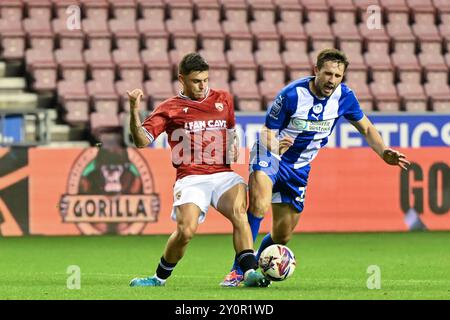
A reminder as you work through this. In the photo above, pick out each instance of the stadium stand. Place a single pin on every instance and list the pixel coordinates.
(253, 47)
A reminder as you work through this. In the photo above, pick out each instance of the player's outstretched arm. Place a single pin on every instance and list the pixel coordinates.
(137, 132)
(373, 138)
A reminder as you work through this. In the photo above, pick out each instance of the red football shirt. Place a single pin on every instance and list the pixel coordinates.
(197, 131)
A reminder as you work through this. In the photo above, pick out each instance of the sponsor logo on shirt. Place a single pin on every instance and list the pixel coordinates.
(205, 125)
(315, 126)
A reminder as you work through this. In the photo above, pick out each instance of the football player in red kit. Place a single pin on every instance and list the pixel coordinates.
(200, 124)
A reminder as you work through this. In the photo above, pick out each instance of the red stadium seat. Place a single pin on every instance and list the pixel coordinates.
(97, 58)
(126, 56)
(211, 42)
(100, 121)
(44, 76)
(385, 96)
(268, 51)
(103, 95)
(42, 40)
(124, 10)
(91, 26)
(394, 5)
(103, 72)
(74, 98)
(215, 58)
(362, 93)
(209, 18)
(314, 5)
(158, 90)
(413, 96)
(236, 18)
(40, 10)
(131, 71)
(37, 56)
(96, 10)
(273, 80)
(432, 62)
(68, 39)
(290, 10)
(264, 18)
(241, 51)
(11, 10)
(155, 58)
(439, 96)
(160, 74)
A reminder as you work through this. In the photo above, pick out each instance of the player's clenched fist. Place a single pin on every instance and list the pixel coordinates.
(135, 97)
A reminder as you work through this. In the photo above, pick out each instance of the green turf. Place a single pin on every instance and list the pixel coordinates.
(330, 266)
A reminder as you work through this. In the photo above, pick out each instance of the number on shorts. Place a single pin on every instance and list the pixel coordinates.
(302, 194)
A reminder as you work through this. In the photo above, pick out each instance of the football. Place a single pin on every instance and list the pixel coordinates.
(277, 262)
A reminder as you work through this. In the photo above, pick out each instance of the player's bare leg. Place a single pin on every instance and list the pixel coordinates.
(285, 219)
(187, 223)
(232, 204)
(260, 192)
(260, 186)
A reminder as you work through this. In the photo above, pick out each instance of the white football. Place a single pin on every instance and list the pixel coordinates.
(277, 262)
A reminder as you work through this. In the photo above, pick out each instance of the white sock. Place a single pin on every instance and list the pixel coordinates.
(159, 279)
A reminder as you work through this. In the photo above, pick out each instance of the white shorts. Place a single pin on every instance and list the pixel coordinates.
(203, 190)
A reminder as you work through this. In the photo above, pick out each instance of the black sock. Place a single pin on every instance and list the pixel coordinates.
(164, 269)
(247, 260)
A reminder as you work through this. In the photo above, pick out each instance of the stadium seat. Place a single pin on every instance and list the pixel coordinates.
(268, 51)
(212, 42)
(124, 10)
(122, 86)
(40, 10)
(407, 62)
(385, 96)
(102, 72)
(315, 5)
(432, 62)
(99, 121)
(241, 50)
(159, 73)
(11, 10)
(394, 5)
(362, 93)
(125, 56)
(67, 39)
(158, 91)
(236, 18)
(209, 18)
(439, 95)
(273, 80)
(215, 59)
(103, 95)
(264, 19)
(75, 101)
(91, 26)
(131, 71)
(96, 10)
(155, 57)
(96, 59)
(413, 96)
(44, 76)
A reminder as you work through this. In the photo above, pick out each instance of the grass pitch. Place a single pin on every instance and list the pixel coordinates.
(329, 266)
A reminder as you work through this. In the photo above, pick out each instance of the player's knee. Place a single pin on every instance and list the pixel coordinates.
(185, 234)
(281, 238)
(259, 207)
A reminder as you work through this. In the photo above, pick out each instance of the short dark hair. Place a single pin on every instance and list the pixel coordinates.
(331, 54)
(192, 62)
